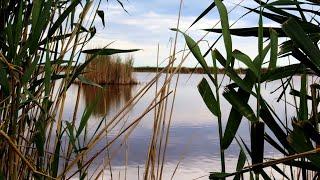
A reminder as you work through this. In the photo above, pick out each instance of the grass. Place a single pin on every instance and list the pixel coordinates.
(110, 70)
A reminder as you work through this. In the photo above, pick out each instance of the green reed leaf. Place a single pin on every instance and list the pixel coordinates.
(285, 3)
(282, 72)
(86, 115)
(4, 81)
(275, 144)
(302, 40)
(251, 31)
(88, 81)
(10, 39)
(269, 120)
(56, 157)
(303, 108)
(280, 171)
(300, 143)
(101, 15)
(218, 175)
(257, 143)
(62, 17)
(232, 73)
(17, 31)
(246, 60)
(242, 107)
(273, 49)
(108, 51)
(47, 77)
(208, 97)
(278, 13)
(241, 162)
(121, 4)
(39, 137)
(274, 17)
(2, 176)
(310, 130)
(235, 117)
(71, 136)
(36, 10)
(29, 70)
(195, 50)
(205, 12)
(37, 29)
(225, 29)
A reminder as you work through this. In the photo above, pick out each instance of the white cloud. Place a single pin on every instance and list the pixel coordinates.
(145, 29)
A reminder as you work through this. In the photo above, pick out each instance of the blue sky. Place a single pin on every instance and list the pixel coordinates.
(147, 23)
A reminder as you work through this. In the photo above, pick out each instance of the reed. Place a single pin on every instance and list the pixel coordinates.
(40, 50)
(297, 141)
(41, 45)
(110, 70)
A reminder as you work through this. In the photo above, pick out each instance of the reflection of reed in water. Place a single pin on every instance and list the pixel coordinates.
(111, 97)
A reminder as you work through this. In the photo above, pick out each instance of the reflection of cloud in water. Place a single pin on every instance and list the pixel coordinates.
(110, 97)
(193, 133)
(198, 155)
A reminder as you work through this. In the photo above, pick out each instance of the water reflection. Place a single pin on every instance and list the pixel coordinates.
(111, 97)
(193, 139)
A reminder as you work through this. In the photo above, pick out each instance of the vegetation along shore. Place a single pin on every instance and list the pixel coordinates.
(64, 116)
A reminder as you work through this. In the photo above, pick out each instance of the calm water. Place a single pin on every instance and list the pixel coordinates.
(193, 135)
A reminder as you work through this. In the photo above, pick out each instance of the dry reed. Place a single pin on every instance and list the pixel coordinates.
(110, 70)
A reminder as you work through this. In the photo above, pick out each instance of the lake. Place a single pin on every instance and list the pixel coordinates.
(193, 137)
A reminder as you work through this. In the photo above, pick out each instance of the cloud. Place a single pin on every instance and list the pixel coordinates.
(148, 23)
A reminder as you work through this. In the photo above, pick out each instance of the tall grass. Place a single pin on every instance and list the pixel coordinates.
(296, 141)
(110, 70)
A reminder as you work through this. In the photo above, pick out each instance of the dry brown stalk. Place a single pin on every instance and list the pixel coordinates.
(17, 151)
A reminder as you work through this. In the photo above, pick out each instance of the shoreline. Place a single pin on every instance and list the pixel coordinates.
(187, 70)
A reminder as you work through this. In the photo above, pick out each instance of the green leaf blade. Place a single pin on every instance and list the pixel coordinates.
(225, 29)
(209, 98)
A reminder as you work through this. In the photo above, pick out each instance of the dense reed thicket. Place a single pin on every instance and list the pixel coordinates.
(41, 43)
(110, 70)
(296, 25)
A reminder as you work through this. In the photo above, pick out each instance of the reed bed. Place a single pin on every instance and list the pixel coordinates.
(36, 142)
(110, 70)
(39, 63)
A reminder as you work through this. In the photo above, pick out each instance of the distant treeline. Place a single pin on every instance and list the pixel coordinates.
(187, 70)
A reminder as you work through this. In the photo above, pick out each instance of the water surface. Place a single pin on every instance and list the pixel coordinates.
(193, 139)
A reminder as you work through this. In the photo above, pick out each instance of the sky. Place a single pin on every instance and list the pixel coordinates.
(148, 24)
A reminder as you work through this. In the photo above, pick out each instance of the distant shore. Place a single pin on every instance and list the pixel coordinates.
(187, 70)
